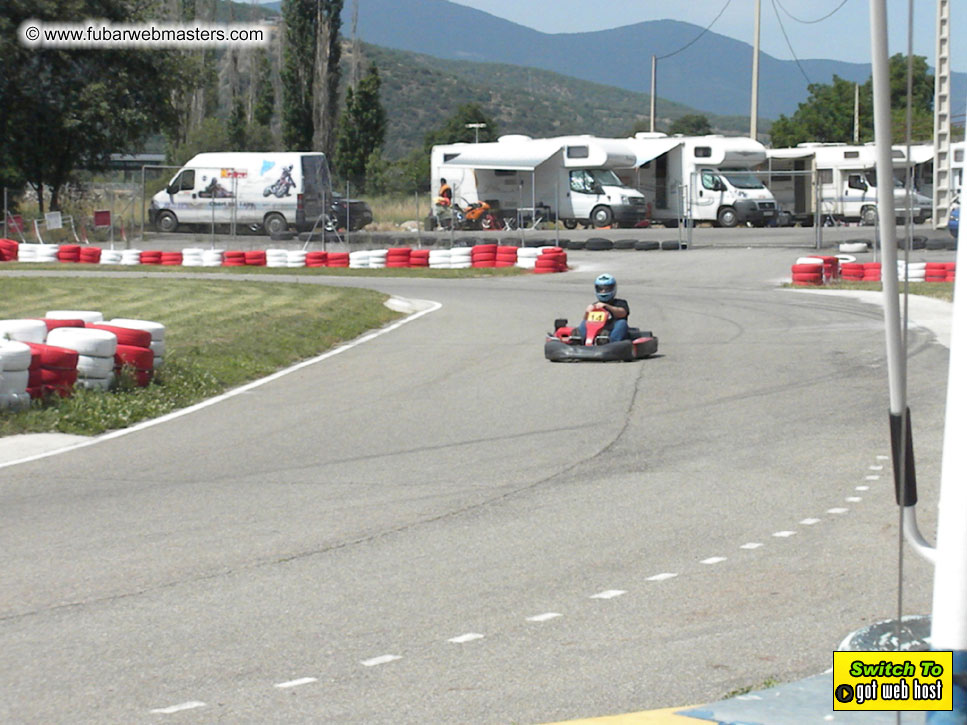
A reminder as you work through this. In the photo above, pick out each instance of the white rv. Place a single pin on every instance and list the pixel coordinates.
(842, 178)
(701, 178)
(571, 178)
(272, 190)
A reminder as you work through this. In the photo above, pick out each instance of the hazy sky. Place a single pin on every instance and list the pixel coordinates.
(843, 36)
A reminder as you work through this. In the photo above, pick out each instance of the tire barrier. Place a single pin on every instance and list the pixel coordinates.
(9, 250)
(151, 256)
(599, 244)
(643, 246)
(317, 259)
(855, 246)
(23, 330)
(483, 255)
(276, 258)
(89, 255)
(818, 270)
(193, 257)
(16, 359)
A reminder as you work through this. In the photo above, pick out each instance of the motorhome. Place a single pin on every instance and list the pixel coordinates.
(571, 178)
(271, 190)
(838, 178)
(701, 179)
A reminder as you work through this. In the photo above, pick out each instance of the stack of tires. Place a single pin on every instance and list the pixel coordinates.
(276, 258)
(90, 255)
(192, 257)
(110, 256)
(872, 271)
(172, 259)
(255, 258)
(377, 258)
(133, 350)
(506, 256)
(914, 271)
(551, 260)
(233, 258)
(461, 257)
(151, 256)
(130, 257)
(69, 253)
(155, 330)
(359, 259)
(398, 257)
(338, 259)
(317, 259)
(55, 372)
(439, 259)
(295, 258)
(9, 250)
(851, 271)
(483, 255)
(807, 272)
(95, 354)
(940, 271)
(527, 257)
(212, 258)
(15, 362)
(419, 258)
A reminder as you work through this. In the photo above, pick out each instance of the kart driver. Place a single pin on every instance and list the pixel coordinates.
(605, 289)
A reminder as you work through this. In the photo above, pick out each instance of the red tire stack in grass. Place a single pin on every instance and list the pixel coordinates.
(851, 271)
(133, 349)
(53, 324)
(256, 258)
(483, 255)
(172, 259)
(420, 258)
(317, 259)
(338, 259)
(830, 268)
(90, 255)
(551, 259)
(807, 274)
(936, 272)
(951, 272)
(872, 271)
(56, 371)
(506, 256)
(398, 257)
(9, 250)
(151, 256)
(233, 258)
(69, 253)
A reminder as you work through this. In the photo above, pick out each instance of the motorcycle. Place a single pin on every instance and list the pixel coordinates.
(566, 345)
(473, 216)
(282, 185)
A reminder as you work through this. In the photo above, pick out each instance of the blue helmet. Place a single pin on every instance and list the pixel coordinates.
(605, 287)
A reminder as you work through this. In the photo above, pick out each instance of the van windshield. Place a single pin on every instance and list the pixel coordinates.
(871, 180)
(605, 177)
(743, 181)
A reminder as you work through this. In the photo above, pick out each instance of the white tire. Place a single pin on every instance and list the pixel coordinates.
(98, 384)
(156, 329)
(86, 341)
(527, 262)
(14, 401)
(15, 381)
(110, 256)
(854, 247)
(809, 260)
(86, 315)
(90, 366)
(845, 258)
(23, 330)
(528, 253)
(14, 356)
(47, 252)
(27, 253)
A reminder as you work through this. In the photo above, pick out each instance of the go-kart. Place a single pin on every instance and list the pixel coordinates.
(565, 345)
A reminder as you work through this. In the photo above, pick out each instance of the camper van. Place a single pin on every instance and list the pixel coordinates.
(273, 191)
(701, 178)
(846, 179)
(571, 178)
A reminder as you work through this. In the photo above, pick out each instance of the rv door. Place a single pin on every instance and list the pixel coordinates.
(316, 192)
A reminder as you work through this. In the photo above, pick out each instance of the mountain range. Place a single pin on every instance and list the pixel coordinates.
(713, 75)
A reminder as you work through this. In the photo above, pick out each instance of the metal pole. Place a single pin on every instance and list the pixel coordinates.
(754, 111)
(347, 213)
(143, 195)
(5, 212)
(654, 77)
(419, 225)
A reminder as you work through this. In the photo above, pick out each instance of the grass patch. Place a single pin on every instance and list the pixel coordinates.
(937, 290)
(220, 334)
(765, 685)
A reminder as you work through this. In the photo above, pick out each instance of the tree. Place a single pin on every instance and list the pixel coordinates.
(63, 109)
(455, 129)
(691, 124)
(827, 115)
(362, 129)
(310, 73)
(264, 108)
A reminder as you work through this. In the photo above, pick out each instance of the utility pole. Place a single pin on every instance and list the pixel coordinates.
(941, 120)
(654, 74)
(754, 112)
(856, 113)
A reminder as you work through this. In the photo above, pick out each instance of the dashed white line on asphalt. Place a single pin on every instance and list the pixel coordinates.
(544, 617)
(854, 499)
(609, 594)
(836, 511)
(751, 545)
(381, 660)
(872, 478)
(468, 637)
(809, 522)
(876, 468)
(784, 534)
(862, 488)
(662, 577)
(296, 683)
(713, 560)
(191, 705)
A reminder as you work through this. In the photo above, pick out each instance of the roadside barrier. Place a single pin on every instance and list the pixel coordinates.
(819, 270)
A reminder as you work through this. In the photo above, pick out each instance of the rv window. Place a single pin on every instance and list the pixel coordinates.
(710, 181)
(449, 157)
(825, 176)
(851, 154)
(577, 152)
(744, 180)
(959, 155)
(504, 172)
(703, 152)
(855, 181)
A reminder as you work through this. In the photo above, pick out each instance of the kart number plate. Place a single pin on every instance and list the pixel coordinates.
(597, 316)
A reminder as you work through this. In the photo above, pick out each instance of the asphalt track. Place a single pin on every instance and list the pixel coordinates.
(439, 526)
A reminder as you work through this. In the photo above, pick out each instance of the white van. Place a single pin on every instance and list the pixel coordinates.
(571, 178)
(271, 190)
(702, 178)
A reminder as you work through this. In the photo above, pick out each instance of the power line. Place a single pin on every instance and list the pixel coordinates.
(695, 39)
(811, 22)
(788, 44)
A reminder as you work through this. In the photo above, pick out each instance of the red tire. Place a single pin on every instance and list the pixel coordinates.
(816, 277)
(807, 268)
(140, 358)
(125, 335)
(55, 357)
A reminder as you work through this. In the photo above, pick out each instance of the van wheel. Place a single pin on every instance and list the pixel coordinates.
(727, 217)
(570, 223)
(166, 221)
(868, 216)
(601, 216)
(274, 223)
